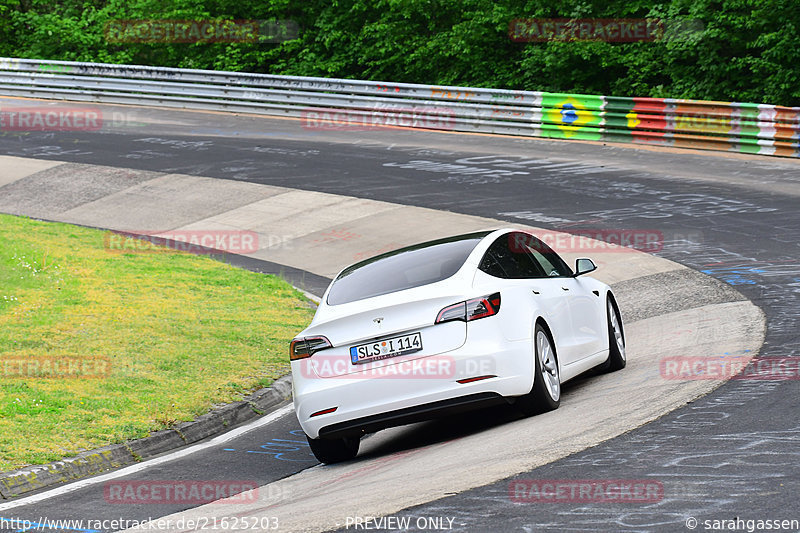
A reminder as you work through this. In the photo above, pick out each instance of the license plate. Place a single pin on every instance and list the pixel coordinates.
(383, 349)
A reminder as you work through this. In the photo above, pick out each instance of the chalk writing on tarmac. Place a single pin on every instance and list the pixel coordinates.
(295, 448)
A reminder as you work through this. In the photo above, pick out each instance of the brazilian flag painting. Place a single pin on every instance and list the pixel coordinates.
(569, 116)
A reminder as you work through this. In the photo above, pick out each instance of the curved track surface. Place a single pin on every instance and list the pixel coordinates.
(733, 451)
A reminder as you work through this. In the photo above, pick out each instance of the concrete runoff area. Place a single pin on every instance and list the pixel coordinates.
(593, 410)
(15, 168)
(317, 232)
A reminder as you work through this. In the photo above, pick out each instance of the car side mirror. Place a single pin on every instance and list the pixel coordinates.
(584, 266)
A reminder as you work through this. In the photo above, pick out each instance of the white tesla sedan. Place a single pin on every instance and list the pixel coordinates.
(446, 326)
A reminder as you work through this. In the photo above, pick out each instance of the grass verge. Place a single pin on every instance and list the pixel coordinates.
(99, 347)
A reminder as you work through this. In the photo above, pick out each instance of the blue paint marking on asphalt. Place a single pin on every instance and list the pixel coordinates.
(282, 449)
(56, 525)
(734, 275)
(736, 353)
(295, 450)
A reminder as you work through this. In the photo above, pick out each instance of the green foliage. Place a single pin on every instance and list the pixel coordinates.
(740, 50)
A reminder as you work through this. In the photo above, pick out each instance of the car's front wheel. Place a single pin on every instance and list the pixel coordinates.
(545, 395)
(330, 451)
(616, 339)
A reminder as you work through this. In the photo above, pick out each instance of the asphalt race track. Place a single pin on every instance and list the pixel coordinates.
(732, 453)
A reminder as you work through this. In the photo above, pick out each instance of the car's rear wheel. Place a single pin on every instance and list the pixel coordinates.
(330, 451)
(545, 395)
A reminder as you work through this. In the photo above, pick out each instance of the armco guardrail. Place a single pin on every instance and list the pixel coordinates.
(740, 127)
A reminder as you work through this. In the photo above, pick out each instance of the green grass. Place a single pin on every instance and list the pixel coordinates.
(179, 334)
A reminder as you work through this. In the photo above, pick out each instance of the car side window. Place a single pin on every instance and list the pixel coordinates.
(549, 261)
(509, 258)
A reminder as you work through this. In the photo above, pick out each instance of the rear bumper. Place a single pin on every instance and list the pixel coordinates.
(410, 415)
(353, 404)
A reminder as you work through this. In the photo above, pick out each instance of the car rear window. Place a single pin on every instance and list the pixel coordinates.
(402, 269)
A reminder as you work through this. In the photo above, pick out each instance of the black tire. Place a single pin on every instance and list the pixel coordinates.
(331, 451)
(616, 339)
(545, 394)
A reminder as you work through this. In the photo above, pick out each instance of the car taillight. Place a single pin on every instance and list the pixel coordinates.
(307, 346)
(471, 309)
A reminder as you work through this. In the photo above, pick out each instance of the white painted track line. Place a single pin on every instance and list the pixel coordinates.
(216, 441)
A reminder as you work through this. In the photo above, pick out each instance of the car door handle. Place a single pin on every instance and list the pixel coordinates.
(564, 288)
(535, 291)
